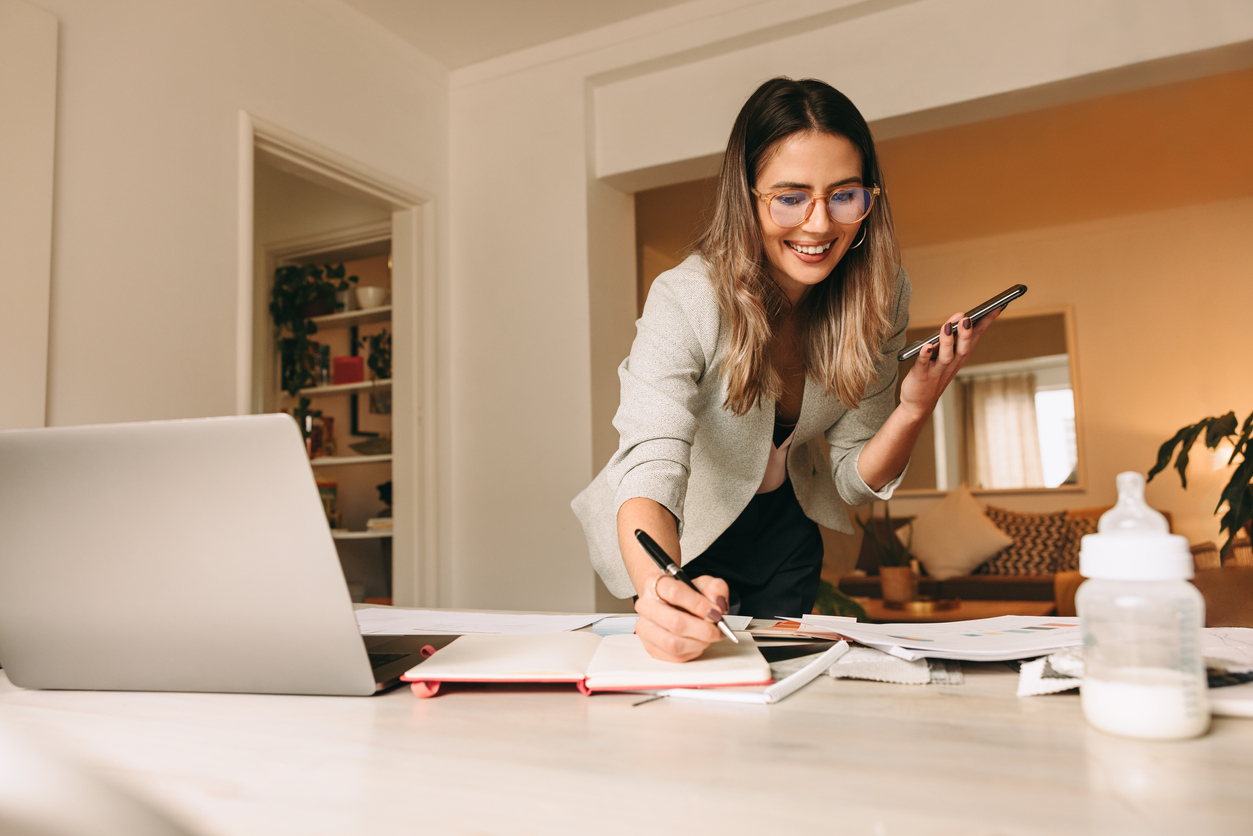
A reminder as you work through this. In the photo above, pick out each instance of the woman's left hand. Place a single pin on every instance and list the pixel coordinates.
(937, 365)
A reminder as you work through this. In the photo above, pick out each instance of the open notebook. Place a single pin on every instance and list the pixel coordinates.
(591, 662)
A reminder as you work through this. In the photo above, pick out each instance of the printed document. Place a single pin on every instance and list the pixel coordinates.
(978, 640)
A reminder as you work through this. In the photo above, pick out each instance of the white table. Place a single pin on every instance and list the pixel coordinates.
(838, 757)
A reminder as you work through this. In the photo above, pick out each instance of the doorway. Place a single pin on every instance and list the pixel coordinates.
(299, 202)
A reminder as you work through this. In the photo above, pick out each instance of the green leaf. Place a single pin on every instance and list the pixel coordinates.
(1165, 452)
(1219, 428)
(1244, 443)
(830, 601)
(1239, 499)
(1238, 494)
(1181, 461)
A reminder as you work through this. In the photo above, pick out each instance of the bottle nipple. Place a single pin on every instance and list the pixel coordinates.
(1132, 515)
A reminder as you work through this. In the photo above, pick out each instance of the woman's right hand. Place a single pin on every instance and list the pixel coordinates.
(677, 623)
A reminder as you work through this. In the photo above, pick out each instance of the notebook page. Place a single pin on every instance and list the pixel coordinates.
(543, 657)
(623, 663)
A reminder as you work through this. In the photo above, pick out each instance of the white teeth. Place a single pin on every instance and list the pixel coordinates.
(810, 250)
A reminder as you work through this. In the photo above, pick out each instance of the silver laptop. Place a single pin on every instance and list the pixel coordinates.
(175, 556)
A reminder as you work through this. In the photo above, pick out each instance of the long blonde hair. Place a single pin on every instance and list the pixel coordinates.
(846, 318)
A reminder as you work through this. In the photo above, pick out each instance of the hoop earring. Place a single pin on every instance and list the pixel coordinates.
(864, 233)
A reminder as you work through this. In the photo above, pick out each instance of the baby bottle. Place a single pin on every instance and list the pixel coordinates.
(1144, 672)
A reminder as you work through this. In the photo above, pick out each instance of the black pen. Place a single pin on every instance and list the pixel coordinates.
(665, 564)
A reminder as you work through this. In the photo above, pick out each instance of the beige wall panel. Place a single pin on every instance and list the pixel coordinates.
(28, 97)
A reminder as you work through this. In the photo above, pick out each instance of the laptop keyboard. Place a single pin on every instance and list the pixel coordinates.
(378, 660)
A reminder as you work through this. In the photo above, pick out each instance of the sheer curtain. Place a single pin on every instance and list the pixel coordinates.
(1002, 443)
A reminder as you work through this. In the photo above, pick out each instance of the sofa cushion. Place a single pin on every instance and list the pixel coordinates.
(1076, 529)
(952, 536)
(1038, 541)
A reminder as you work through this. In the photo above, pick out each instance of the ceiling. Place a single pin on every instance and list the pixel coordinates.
(462, 32)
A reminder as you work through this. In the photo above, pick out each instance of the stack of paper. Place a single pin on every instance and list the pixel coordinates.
(978, 640)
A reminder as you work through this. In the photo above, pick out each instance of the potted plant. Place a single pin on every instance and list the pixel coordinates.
(379, 361)
(300, 292)
(896, 575)
(1238, 495)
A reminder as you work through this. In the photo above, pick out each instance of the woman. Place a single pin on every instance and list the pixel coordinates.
(782, 327)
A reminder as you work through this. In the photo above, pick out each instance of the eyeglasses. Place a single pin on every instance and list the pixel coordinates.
(845, 205)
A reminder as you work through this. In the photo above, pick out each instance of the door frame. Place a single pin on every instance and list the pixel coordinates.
(415, 563)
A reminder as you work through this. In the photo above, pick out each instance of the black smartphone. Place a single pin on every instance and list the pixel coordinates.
(976, 313)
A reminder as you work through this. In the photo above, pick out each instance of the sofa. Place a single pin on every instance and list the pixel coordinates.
(1226, 584)
(1053, 538)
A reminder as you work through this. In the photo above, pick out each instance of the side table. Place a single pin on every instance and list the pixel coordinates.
(964, 611)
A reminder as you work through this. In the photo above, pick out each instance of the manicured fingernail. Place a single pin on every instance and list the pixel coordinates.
(966, 323)
(714, 616)
(722, 604)
(948, 329)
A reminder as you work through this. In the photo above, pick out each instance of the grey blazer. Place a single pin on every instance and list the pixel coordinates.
(681, 447)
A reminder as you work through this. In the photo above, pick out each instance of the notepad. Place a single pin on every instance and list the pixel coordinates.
(591, 662)
(770, 694)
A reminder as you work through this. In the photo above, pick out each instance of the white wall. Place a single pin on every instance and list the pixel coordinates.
(144, 287)
(538, 320)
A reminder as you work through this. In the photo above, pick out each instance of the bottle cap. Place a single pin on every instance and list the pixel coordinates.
(1133, 542)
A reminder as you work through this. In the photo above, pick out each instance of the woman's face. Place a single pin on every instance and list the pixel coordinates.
(816, 163)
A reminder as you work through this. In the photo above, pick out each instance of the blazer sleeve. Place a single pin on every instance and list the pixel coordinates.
(656, 419)
(850, 433)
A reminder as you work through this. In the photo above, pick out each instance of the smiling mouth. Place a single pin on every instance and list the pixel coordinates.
(811, 249)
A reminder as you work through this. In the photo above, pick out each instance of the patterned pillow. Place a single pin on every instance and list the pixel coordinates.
(1075, 529)
(1038, 542)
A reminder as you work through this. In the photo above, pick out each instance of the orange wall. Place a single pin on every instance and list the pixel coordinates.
(1177, 145)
